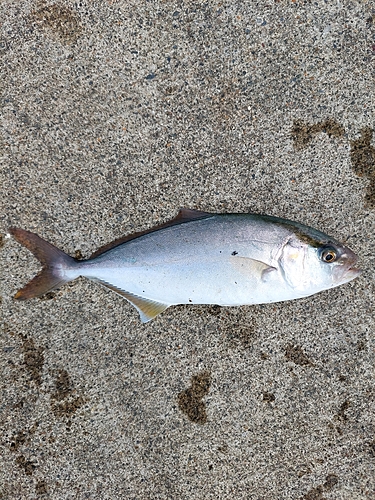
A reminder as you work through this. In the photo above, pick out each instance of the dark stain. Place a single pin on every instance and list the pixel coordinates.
(330, 482)
(224, 103)
(304, 470)
(33, 359)
(302, 133)
(48, 296)
(63, 386)
(190, 401)
(41, 487)
(341, 415)
(22, 436)
(317, 492)
(296, 354)
(2, 240)
(18, 440)
(223, 448)
(27, 465)
(362, 156)
(59, 21)
(68, 408)
(314, 494)
(19, 404)
(64, 402)
(78, 255)
(372, 449)
(361, 345)
(215, 310)
(240, 335)
(268, 397)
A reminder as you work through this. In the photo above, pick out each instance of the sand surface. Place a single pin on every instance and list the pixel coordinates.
(114, 115)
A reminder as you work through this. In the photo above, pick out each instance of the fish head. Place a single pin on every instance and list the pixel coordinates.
(316, 263)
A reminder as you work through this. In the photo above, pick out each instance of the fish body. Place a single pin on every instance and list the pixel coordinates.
(202, 258)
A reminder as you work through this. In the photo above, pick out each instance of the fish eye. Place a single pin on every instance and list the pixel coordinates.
(328, 255)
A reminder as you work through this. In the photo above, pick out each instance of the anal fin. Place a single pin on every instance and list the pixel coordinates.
(148, 309)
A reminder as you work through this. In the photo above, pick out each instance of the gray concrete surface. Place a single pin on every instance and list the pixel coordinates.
(115, 114)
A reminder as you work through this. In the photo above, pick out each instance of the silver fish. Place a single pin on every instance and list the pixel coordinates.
(202, 258)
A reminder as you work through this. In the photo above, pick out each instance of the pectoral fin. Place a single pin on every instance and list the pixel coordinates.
(252, 267)
(148, 309)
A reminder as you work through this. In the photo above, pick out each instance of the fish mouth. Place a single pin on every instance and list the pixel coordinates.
(346, 275)
(348, 269)
(354, 271)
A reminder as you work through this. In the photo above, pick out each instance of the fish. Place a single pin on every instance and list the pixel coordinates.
(198, 257)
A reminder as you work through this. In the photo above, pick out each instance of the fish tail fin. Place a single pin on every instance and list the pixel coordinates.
(57, 265)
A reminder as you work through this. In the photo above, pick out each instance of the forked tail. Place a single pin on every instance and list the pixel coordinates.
(58, 267)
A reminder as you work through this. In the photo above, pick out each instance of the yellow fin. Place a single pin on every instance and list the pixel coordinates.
(148, 309)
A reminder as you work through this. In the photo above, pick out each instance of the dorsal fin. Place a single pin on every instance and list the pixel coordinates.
(184, 215)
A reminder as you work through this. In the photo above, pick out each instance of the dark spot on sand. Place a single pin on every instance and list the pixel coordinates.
(341, 415)
(361, 345)
(296, 354)
(64, 402)
(268, 397)
(1, 241)
(372, 449)
(41, 487)
(314, 494)
(68, 408)
(317, 492)
(362, 156)
(27, 465)
(241, 335)
(22, 436)
(63, 386)
(215, 310)
(304, 470)
(223, 448)
(78, 255)
(18, 440)
(33, 359)
(59, 21)
(19, 404)
(190, 401)
(302, 133)
(330, 482)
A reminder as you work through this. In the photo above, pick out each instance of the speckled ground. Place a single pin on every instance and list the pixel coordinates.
(114, 115)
